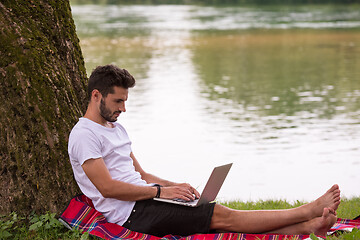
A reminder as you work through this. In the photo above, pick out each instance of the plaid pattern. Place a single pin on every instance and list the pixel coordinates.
(345, 225)
(81, 214)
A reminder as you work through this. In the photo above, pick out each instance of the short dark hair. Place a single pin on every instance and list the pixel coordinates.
(104, 78)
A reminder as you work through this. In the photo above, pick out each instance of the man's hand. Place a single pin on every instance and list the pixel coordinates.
(180, 190)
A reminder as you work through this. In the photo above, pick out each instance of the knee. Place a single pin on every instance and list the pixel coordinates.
(221, 219)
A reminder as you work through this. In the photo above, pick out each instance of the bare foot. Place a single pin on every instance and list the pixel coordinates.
(321, 225)
(330, 199)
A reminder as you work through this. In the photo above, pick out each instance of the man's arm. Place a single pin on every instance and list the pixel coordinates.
(99, 175)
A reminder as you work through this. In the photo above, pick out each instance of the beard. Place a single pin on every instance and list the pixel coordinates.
(106, 113)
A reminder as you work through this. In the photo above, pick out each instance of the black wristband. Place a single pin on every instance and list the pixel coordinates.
(158, 190)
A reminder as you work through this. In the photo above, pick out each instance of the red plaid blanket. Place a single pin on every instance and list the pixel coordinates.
(81, 214)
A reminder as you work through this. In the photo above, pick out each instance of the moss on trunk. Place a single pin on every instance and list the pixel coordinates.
(43, 79)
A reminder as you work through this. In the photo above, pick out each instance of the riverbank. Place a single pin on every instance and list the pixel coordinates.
(47, 226)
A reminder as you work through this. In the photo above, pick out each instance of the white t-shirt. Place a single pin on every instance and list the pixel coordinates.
(90, 140)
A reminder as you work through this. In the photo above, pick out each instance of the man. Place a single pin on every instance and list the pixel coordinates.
(107, 171)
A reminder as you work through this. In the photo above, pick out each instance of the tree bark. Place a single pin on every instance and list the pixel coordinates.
(43, 82)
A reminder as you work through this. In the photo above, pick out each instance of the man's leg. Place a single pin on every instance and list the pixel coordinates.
(319, 226)
(261, 221)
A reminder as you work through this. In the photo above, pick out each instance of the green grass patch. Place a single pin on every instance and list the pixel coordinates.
(47, 226)
(44, 226)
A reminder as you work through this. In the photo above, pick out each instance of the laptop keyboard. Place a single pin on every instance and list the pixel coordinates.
(182, 200)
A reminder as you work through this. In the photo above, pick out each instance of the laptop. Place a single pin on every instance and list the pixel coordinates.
(210, 191)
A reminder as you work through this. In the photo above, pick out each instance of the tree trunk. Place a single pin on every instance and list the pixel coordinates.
(43, 82)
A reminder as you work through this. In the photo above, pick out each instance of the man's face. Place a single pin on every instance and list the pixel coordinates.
(113, 104)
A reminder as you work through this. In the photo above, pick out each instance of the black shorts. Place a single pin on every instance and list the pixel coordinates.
(160, 218)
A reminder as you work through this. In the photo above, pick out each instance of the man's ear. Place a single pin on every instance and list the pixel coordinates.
(96, 95)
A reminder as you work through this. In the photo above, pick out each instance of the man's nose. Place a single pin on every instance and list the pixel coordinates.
(122, 107)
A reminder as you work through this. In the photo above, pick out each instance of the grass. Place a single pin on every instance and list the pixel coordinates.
(47, 226)
(44, 226)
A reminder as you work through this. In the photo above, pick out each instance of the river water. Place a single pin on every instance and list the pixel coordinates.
(273, 89)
